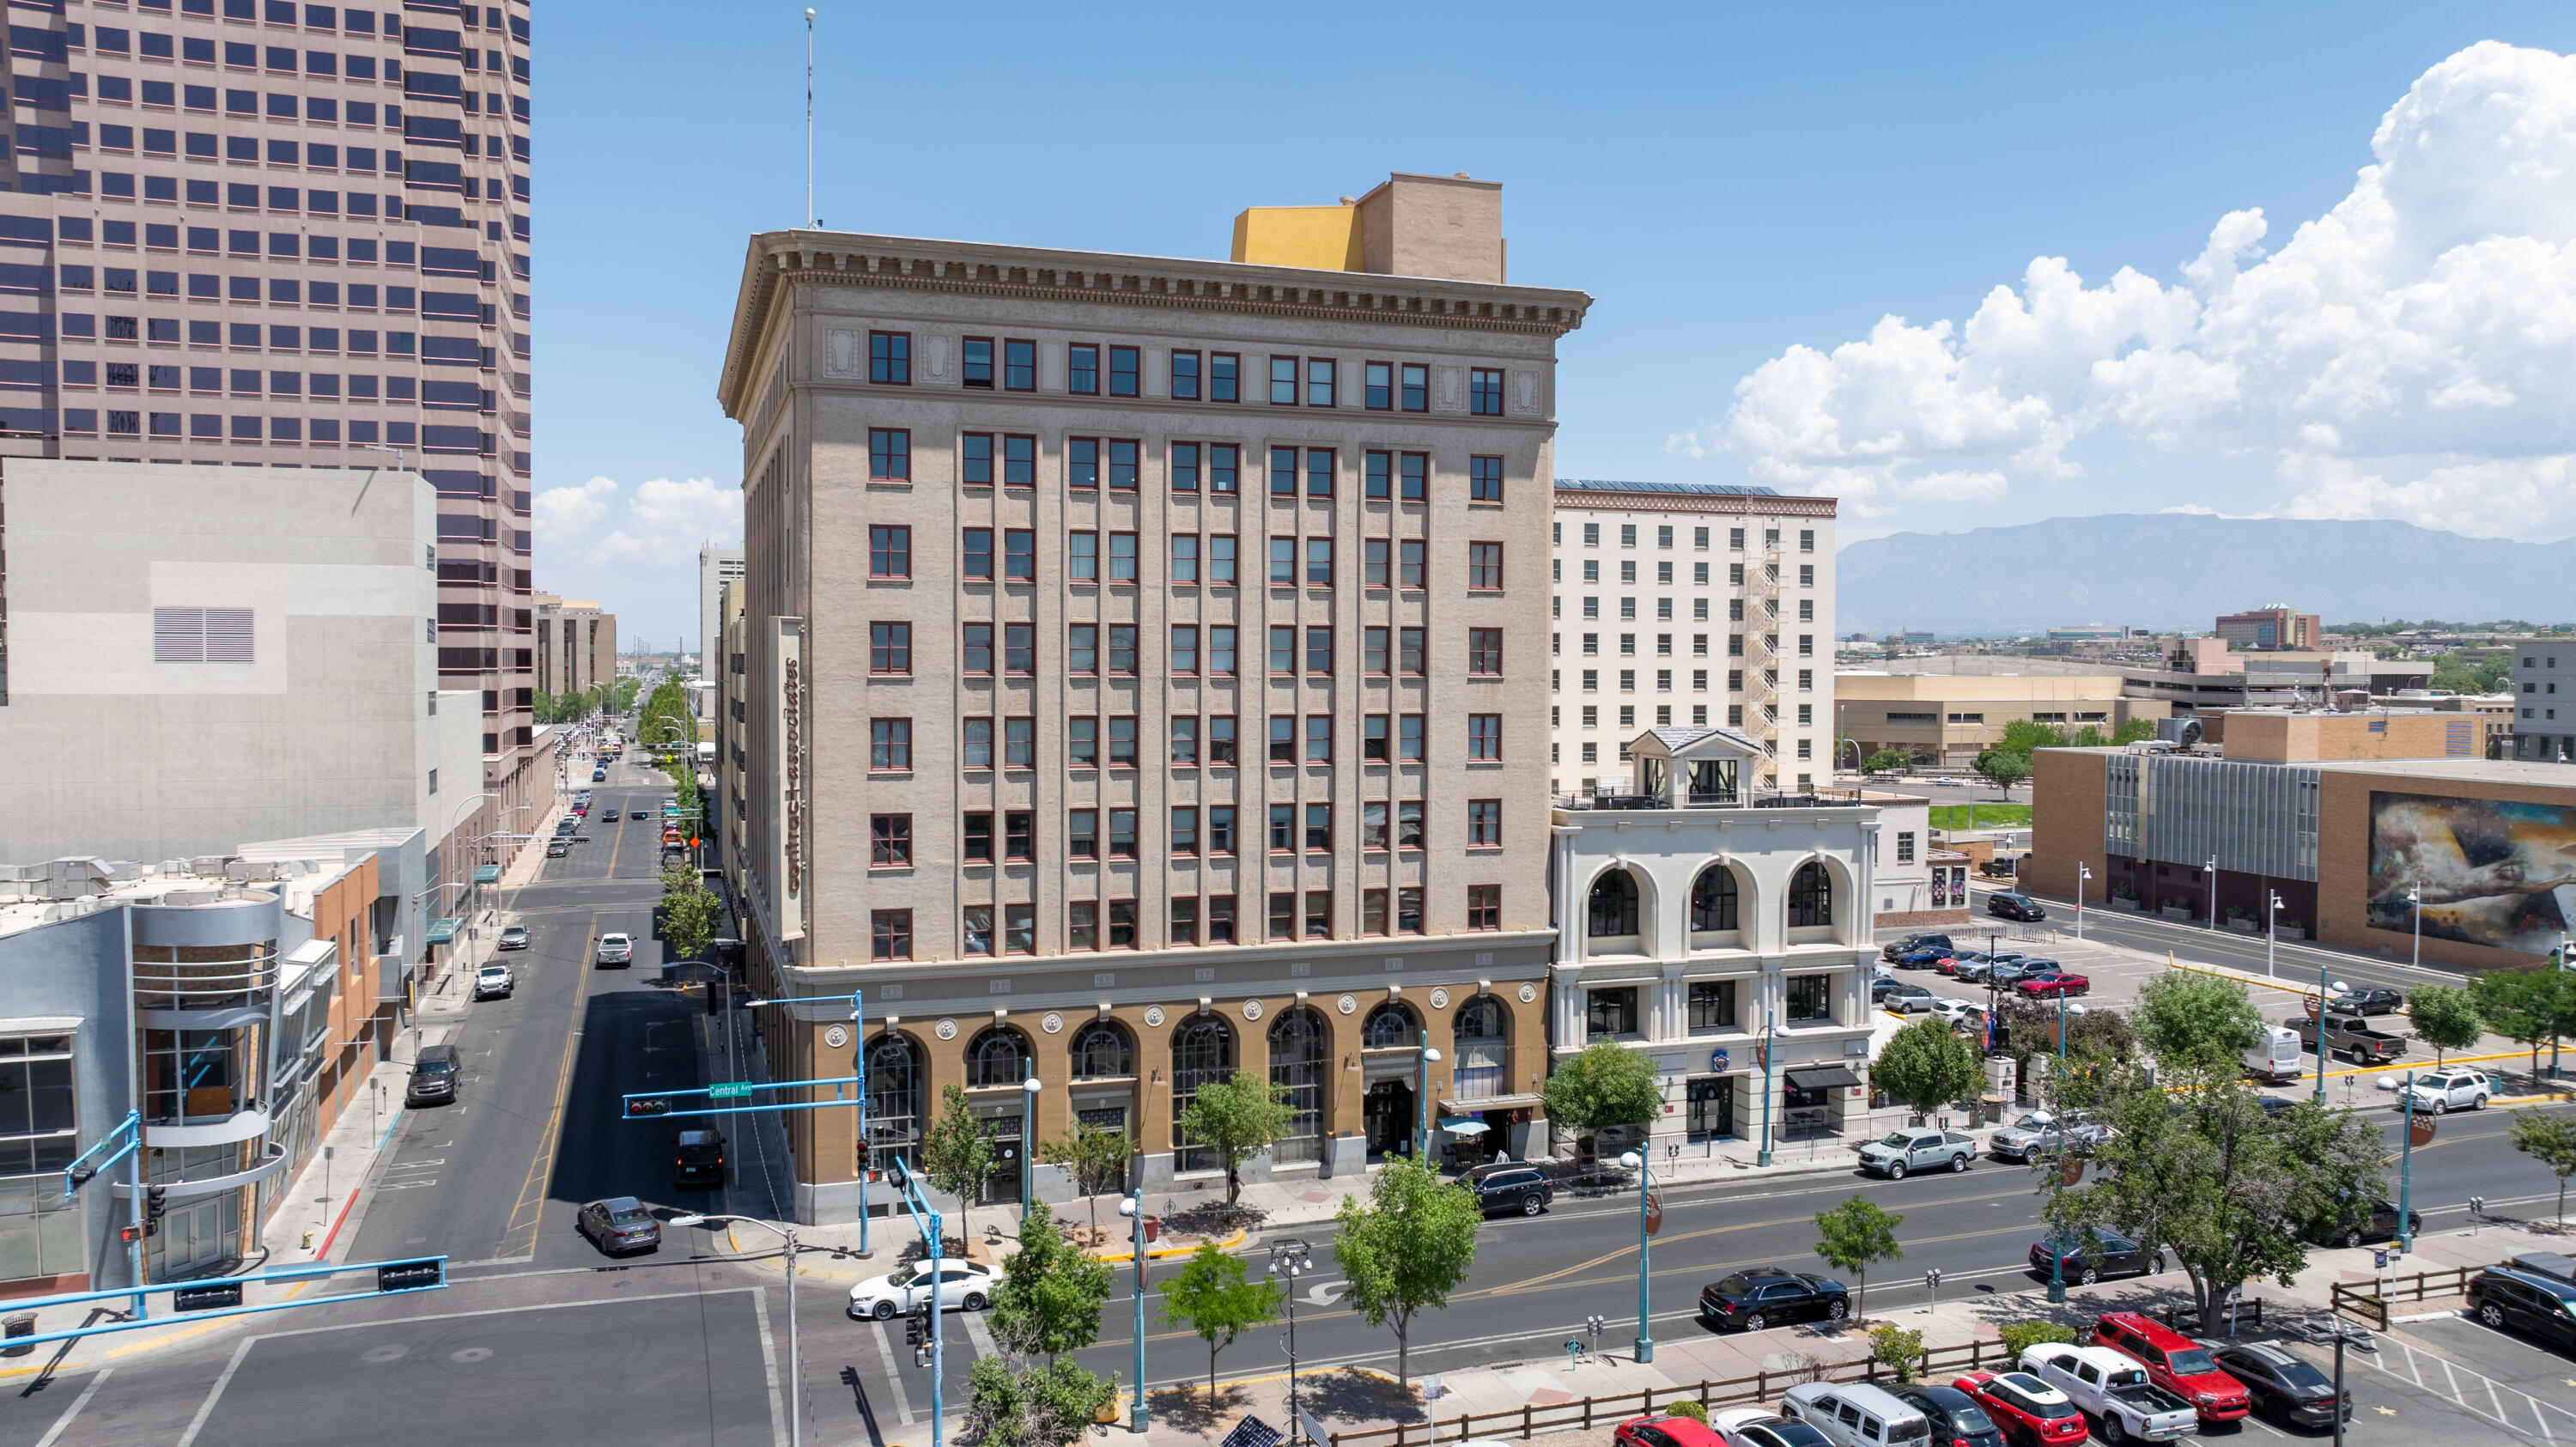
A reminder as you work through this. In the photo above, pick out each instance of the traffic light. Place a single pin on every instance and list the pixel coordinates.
(156, 1202)
(639, 1105)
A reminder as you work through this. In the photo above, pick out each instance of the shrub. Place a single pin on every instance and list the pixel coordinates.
(2021, 1336)
(1896, 1349)
(1684, 1407)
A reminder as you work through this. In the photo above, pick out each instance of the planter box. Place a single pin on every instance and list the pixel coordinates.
(2291, 932)
(2244, 926)
(2130, 905)
(2184, 913)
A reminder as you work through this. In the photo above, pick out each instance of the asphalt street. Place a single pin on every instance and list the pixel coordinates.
(2293, 960)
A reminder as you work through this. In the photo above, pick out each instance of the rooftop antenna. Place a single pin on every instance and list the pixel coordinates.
(809, 117)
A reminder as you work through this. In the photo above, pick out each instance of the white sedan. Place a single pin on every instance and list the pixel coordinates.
(492, 980)
(963, 1286)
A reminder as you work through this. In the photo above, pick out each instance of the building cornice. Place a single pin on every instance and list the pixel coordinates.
(778, 261)
(1571, 499)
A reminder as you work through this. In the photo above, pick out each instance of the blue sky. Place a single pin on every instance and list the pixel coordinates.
(1730, 183)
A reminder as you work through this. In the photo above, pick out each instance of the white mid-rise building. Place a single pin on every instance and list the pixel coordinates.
(1690, 605)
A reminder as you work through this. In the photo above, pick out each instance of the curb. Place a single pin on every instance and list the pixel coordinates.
(1161, 1252)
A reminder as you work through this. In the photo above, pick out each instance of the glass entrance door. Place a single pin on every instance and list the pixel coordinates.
(1712, 1106)
(1387, 1112)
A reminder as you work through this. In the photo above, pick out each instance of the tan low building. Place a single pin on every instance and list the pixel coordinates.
(1945, 719)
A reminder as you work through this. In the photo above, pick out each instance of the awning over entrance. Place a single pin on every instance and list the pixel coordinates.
(1491, 1102)
(1820, 1077)
(487, 874)
(443, 931)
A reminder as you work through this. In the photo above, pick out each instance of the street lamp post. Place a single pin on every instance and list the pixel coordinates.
(1132, 1206)
(2271, 931)
(1636, 1161)
(1422, 1105)
(1028, 1142)
(1770, 1047)
(2083, 873)
(2213, 891)
(2415, 897)
(2321, 1028)
(2405, 1167)
(795, 1374)
(2057, 1220)
(1290, 1258)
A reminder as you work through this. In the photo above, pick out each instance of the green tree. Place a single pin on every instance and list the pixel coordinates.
(2021, 1336)
(1012, 1405)
(2535, 1006)
(2187, 1018)
(690, 912)
(1885, 760)
(1857, 1233)
(1607, 1084)
(1898, 1350)
(957, 1150)
(1237, 1117)
(2134, 731)
(2099, 1036)
(2549, 1138)
(1927, 1066)
(2001, 769)
(2193, 1167)
(1210, 1296)
(1049, 1298)
(1407, 1249)
(2446, 1018)
(1094, 1157)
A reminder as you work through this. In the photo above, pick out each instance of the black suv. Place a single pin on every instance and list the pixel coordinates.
(698, 1158)
(2526, 1301)
(2014, 906)
(1511, 1186)
(2284, 1387)
(1953, 1414)
(1766, 1296)
(433, 1077)
(1919, 940)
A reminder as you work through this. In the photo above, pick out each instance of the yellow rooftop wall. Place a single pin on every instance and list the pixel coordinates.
(1317, 238)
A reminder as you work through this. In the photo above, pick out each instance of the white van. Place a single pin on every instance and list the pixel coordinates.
(1856, 1414)
(2276, 1058)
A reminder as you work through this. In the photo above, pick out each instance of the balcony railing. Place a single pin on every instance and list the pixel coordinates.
(1750, 797)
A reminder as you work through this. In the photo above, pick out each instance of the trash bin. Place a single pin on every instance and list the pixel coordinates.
(18, 1324)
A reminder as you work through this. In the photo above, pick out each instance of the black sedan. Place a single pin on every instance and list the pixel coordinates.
(1767, 1296)
(2005, 905)
(2085, 1260)
(2373, 1000)
(2285, 1387)
(2382, 1226)
(1955, 1416)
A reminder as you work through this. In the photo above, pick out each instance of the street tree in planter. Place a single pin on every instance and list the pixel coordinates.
(1049, 1298)
(2446, 1018)
(1608, 1084)
(1858, 1233)
(1094, 1157)
(1407, 1249)
(1212, 1297)
(1237, 1117)
(957, 1149)
(2550, 1139)
(1011, 1405)
(1927, 1065)
(689, 912)
(2185, 1017)
(2194, 1168)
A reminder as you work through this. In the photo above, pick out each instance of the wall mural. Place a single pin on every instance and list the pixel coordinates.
(2495, 873)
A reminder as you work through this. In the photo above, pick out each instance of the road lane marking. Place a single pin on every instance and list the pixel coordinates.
(206, 1408)
(894, 1375)
(54, 1433)
(977, 1332)
(543, 1162)
(769, 1367)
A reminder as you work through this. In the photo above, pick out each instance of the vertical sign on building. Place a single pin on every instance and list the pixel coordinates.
(789, 731)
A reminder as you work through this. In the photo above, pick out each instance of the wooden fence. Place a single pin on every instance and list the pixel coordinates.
(1732, 1392)
(2369, 1301)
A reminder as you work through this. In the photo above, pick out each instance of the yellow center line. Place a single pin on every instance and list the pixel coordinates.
(532, 1190)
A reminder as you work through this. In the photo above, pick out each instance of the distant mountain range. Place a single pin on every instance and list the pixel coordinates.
(2181, 570)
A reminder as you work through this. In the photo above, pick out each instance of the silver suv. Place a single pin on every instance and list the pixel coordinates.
(2040, 1133)
(1917, 1148)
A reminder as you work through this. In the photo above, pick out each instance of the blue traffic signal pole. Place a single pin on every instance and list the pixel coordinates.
(2405, 1165)
(80, 1172)
(410, 1279)
(933, 1235)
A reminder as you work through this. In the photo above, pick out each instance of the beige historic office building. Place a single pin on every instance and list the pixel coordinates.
(1690, 605)
(1141, 666)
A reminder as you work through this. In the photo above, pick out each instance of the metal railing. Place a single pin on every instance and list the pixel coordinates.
(1748, 797)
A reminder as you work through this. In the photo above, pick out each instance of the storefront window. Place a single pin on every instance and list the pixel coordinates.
(1480, 1039)
(38, 1127)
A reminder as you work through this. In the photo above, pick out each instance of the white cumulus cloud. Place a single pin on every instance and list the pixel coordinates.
(660, 522)
(2407, 354)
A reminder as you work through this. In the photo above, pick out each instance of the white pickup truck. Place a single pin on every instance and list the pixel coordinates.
(2114, 1391)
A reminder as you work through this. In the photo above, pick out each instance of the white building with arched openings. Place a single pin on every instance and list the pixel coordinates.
(1702, 916)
